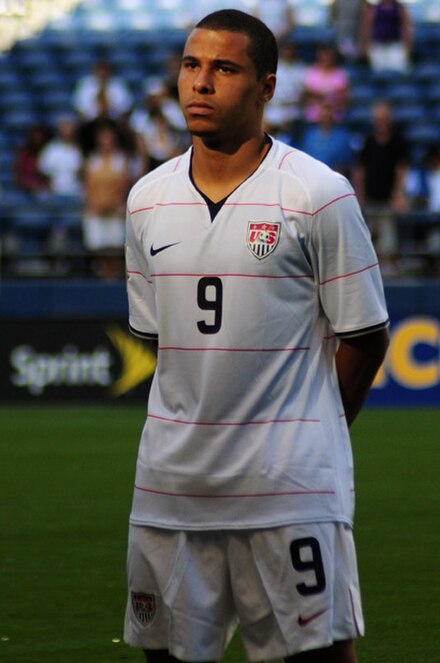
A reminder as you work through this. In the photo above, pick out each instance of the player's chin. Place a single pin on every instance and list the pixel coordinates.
(203, 133)
(200, 126)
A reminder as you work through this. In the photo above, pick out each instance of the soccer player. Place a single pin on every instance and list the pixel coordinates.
(251, 265)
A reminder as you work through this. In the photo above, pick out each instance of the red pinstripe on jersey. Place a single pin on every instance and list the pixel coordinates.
(164, 348)
(234, 423)
(346, 276)
(235, 495)
(237, 204)
(244, 276)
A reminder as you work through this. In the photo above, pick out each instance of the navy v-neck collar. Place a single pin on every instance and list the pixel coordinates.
(214, 208)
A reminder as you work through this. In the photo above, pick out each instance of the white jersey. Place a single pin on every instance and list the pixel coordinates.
(245, 426)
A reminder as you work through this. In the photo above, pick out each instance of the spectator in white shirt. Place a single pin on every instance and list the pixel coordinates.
(61, 160)
(102, 81)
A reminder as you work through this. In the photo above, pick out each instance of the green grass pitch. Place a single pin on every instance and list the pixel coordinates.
(65, 492)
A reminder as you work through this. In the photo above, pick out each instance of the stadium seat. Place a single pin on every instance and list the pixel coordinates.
(9, 79)
(433, 92)
(28, 229)
(18, 121)
(358, 119)
(427, 72)
(410, 113)
(34, 61)
(423, 135)
(55, 102)
(386, 80)
(16, 100)
(362, 94)
(6, 168)
(403, 92)
(307, 38)
(78, 61)
(45, 82)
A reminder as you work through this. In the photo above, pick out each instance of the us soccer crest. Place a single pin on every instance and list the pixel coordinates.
(262, 237)
(144, 607)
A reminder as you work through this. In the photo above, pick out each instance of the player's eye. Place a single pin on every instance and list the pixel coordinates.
(188, 64)
(225, 68)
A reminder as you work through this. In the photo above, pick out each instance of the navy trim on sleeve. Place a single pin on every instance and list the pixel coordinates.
(145, 335)
(366, 330)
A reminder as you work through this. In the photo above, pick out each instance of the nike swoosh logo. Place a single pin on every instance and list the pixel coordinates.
(304, 621)
(154, 251)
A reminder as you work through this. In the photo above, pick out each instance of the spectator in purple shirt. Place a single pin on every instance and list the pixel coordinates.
(387, 36)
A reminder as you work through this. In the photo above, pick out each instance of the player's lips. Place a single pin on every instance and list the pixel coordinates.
(199, 108)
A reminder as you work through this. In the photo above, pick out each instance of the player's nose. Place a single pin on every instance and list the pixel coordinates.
(203, 82)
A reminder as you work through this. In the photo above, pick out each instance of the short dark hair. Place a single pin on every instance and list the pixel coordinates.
(263, 49)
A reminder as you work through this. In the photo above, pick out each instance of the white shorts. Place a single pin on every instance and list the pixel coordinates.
(103, 232)
(290, 589)
(389, 57)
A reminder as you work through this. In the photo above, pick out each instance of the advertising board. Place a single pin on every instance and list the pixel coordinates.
(84, 360)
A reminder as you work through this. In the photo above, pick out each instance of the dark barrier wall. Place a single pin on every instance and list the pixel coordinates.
(68, 341)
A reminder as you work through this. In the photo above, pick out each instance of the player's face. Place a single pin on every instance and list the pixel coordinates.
(220, 94)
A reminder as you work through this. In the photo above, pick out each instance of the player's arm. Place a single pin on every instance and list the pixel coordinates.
(358, 359)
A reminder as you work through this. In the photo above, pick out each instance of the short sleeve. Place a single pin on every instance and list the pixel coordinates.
(346, 265)
(140, 288)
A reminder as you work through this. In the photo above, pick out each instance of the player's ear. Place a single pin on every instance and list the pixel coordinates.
(268, 83)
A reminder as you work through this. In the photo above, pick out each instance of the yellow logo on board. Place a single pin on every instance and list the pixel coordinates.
(402, 363)
(138, 362)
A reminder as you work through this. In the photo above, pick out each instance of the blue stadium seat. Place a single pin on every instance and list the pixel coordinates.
(403, 92)
(46, 81)
(16, 100)
(359, 119)
(433, 92)
(307, 38)
(9, 79)
(424, 134)
(18, 121)
(426, 37)
(362, 94)
(56, 101)
(5, 142)
(29, 226)
(6, 169)
(34, 61)
(386, 79)
(427, 72)
(410, 114)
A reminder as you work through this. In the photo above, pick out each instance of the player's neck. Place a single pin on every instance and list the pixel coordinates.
(217, 171)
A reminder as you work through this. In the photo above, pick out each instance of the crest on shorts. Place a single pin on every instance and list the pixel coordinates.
(262, 237)
(144, 607)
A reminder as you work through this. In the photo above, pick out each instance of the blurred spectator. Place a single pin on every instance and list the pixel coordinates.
(423, 187)
(329, 141)
(90, 90)
(170, 100)
(285, 108)
(325, 80)
(432, 169)
(106, 182)
(387, 36)
(345, 17)
(27, 176)
(61, 160)
(278, 15)
(195, 10)
(159, 140)
(379, 180)
(432, 165)
(128, 141)
(88, 129)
